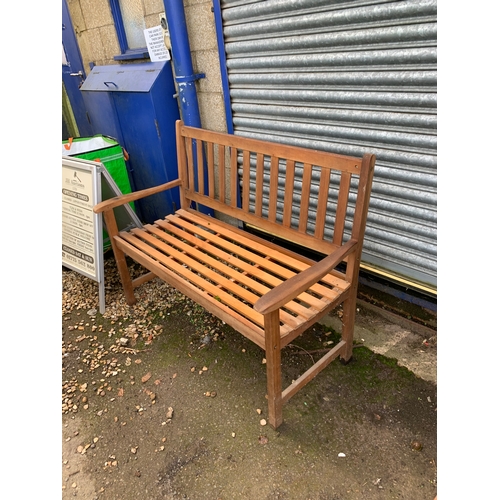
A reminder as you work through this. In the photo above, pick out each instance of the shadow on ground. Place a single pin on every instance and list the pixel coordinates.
(163, 401)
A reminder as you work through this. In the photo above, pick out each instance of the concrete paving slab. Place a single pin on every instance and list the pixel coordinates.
(414, 346)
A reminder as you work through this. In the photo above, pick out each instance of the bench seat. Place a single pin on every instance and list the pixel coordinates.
(228, 270)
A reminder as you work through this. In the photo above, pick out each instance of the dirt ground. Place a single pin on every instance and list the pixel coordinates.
(163, 401)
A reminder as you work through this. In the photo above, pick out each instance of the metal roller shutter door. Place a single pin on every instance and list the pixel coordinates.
(349, 77)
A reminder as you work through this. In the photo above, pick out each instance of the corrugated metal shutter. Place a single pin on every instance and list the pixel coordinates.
(349, 77)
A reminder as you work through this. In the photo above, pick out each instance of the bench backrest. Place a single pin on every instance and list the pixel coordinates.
(260, 183)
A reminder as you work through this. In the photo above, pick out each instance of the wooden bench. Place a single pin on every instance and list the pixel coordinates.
(263, 290)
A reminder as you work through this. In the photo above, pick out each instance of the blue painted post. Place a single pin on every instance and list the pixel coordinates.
(183, 71)
(183, 65)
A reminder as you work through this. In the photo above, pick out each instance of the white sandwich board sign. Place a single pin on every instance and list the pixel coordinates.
(84, 184)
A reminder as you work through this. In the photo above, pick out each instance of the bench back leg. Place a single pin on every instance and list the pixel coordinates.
(273, 368)
(348, 314)
(349, 305)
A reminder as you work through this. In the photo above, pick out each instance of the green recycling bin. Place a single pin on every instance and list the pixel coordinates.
(107, 151)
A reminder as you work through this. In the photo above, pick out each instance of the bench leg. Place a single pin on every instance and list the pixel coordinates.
(349, 312)
(126, 280)
(121, 263)
(273, 367)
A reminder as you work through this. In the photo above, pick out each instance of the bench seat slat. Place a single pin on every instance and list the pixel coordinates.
(238, 270)
(219, 309)
(240, 284)
(191, 252)
(308, 304)
(262, 247)
(167, 256)
(266, 268)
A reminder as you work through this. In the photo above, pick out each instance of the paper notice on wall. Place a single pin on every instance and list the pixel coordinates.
(156, 44)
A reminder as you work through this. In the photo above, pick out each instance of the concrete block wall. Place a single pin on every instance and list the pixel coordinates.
(203, 41)
(96, 36)
(95, 31)
(98, 42)
(205, 55)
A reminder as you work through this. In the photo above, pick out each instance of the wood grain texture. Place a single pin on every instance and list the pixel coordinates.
(259, 286)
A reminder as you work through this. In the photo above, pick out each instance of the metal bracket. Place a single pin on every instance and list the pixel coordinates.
(191, 78)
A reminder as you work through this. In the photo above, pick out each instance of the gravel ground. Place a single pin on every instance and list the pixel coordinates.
(163, 401)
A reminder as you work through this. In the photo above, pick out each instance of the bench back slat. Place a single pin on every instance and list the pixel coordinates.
(245, 193)
(288, 199)
(211, 172)
(285, 190)
(199, 161)
(304, 201)
(259, 184)
(343, 198)
(324, 185)
(234, 177)
(273, 189)
(190, 165)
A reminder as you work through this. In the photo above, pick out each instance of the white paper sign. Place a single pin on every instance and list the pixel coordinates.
(156, 44)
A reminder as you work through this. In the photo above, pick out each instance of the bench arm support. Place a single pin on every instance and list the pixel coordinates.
(137, 195)
(291, 288)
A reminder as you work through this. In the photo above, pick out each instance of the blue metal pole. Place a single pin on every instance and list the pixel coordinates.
(184, 73)
(183, 65)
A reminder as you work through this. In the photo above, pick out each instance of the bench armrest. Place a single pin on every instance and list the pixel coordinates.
(292, 287)
(137, 195)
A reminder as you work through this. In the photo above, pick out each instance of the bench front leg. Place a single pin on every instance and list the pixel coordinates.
(273, 368)
(349, 306)
(121, 262)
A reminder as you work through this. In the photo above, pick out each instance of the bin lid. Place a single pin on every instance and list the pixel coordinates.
(82, 145)
(123, 77)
